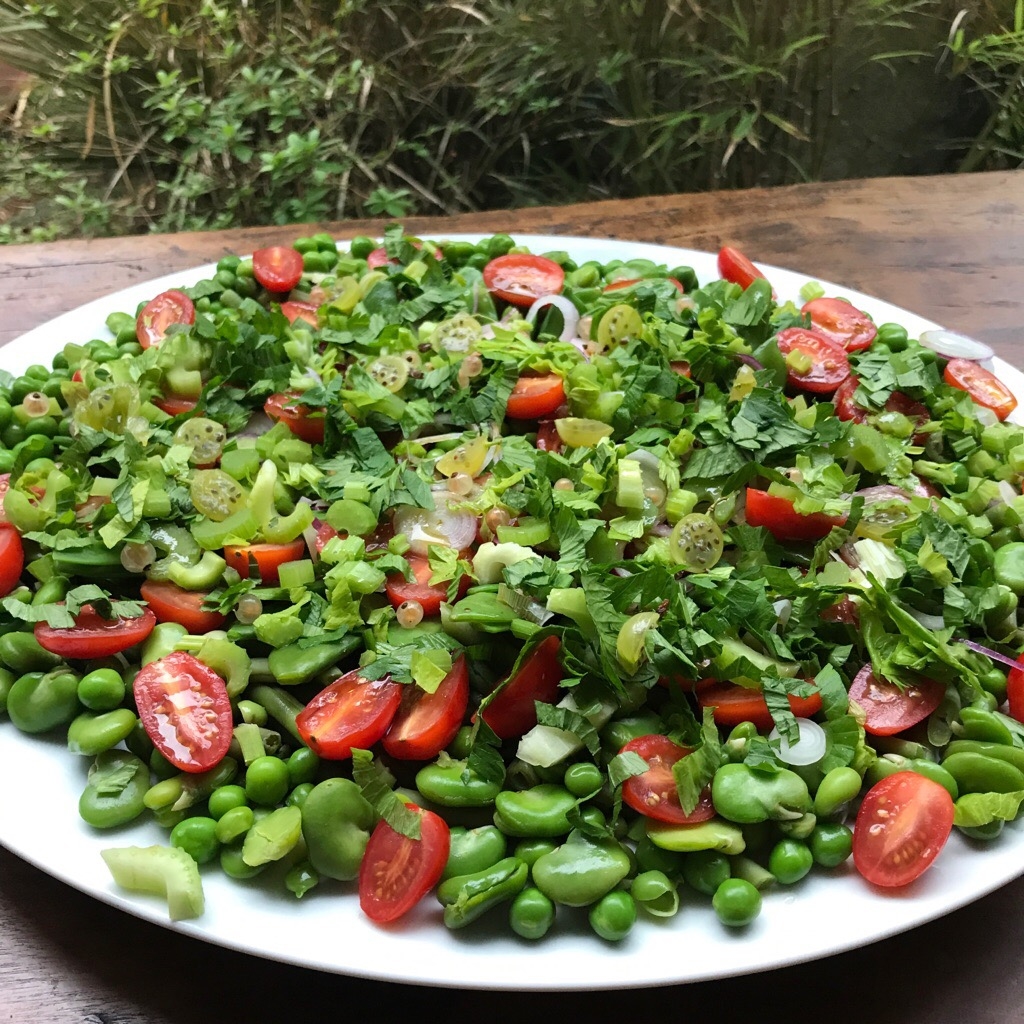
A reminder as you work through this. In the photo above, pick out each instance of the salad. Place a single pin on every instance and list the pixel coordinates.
(451, 567)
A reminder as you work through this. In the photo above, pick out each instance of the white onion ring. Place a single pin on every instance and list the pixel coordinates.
(809, 749)
(440, 525)
(951, 345)
(570, 314)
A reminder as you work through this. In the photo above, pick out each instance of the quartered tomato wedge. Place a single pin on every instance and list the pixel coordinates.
(888, 708)
(171, 603)
(430, 596)
(93, 636)
(825, 365)
(982, 385)
(269, 557)
(734, 266)
(167, 308)
(533, 398)
(902, 825)
(397, 872)
(841, 322)
(185, 710)
(1015, 690)
(352, 712)
(512, 712)
(174, 405)
(521, 278)
(426, 723)
(300, 311)
(654, 794)
(277, 268)
(733, 704)
(778, 516)
(301, 420)
(12, 558)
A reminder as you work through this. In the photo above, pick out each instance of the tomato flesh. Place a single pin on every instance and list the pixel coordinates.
(512, 712)
(654, 793)
(734, 266)
(93, 636)
(167, 308)
(397, 872)
(185, 710)
(848, 409)
(779, 517)
(984, 387)
(352, 712)
(277, 268)
(171, 603)
(269, 557)
(829, 365)
(733, 704)
(841, 323)
(12, 558)
(426, 723)
(174, 405)
(282, 408)
(521, 278)
(548, 438)
(430, 595)
(300, 311)
(533, 398)
(902, 825)
(888, 709)
(1015, 690)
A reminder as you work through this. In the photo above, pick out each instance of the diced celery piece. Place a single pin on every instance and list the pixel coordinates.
(240, 526)
(240, 463)
(348, 516)
(629, 492)
(296, 574)
(161, 870)
(528, 532)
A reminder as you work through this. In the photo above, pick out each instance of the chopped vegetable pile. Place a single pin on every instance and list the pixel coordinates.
(449, 567)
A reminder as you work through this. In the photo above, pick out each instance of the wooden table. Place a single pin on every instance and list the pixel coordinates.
(949, 248)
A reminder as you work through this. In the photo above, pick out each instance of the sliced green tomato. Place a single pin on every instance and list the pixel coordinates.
(391, 372)
(578, 432)
(344, 294)
(629, 646)
(467, 458)
(696, 542)
(619, 324)
(217, 495)
(457, 334)
(206, 437)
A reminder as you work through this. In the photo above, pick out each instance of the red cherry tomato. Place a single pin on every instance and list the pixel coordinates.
(902, 825)
(829, 366)
(521, 278)
(351, 712)
(654, 794)
(734, 266)
(548, 439)
(779, 517)
(847, 408)
(535, 397)
(185, 710)
(1015, 690)
(733, 704)
(170, 307)
(512, 712)
(171, 603)
(982, 385)
(277, 268)
(12, 558)
(269, 557)
(301, 420)
(844, 611)
(397, 872)
(324, 535)
(174, 405)
(300, 311)
(841, 323)
(379, 258)
(430, 596)
(92, 636)
(888, 708)
(426, 723)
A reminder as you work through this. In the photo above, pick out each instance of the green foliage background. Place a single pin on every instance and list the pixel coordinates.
(170, 115)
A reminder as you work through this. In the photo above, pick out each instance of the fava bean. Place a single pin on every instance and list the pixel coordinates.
(336, 824)
(474, 850)
(655, 892)
(835, 791)
(467, 897)
(978, 773)
(450, 785)
(744, 794)
(234, 823)
(706, 870)
(93, 732)
(539, 812)
(38, 702)
(581, 870)
(115, 790)
(715, 834)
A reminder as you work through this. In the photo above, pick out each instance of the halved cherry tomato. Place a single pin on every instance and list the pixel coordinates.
(841, 322)
(171, 603)
(324, 534)
(982, 385)
(513, 712)
(521, 278)
(430, 596)
(779, 517)
(733, 704)
(654, 794)
(847, 408)
(170, 307)
(300, 311)
(269, 557)
(397, 872)
(299, 419)
(735, 267)
(185, 710)
(277, 268)
(426, 723)
(12, 558)
(888, 708)
(845, 611)
(829, 366)
(548, 438)
(535, 397)
(379, 257)
(174, 405)
(5, 486)
(1015, 690)
(902, 825)
(352, 712)
(93, 636)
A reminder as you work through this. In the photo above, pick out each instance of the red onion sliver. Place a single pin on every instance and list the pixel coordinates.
(994, 655)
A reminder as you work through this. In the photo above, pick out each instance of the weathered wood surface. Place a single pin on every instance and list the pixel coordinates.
(949, 248)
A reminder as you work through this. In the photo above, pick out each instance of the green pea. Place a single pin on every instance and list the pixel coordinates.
(361, 246)
(705, 870)
(5, 413)
(583, 779)
(37, 702)
(224, 799)
(790, 860)
(301, 878)
(102, 689)
(474, 850)
(993, 681)
(6, 682)
(835, 791)
(234, 823)
(230, 298)
(266, 781)
(6, 460)
(540, 812)
(893, 336)
(1009, 567)
(613, 916)
(656, 893)
(831, 844)
(497, 245)
(617, 734)
(653, 858)
(736, 902)
(229, 262)
(531, 914)
(92, 732)
(43, 425)
(460, 747)
(303, 765)
(297, 797)
(115, 790)
(198, 838)
(478, 260)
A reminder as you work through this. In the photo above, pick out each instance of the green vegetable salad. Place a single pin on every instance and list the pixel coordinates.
(442, 570)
